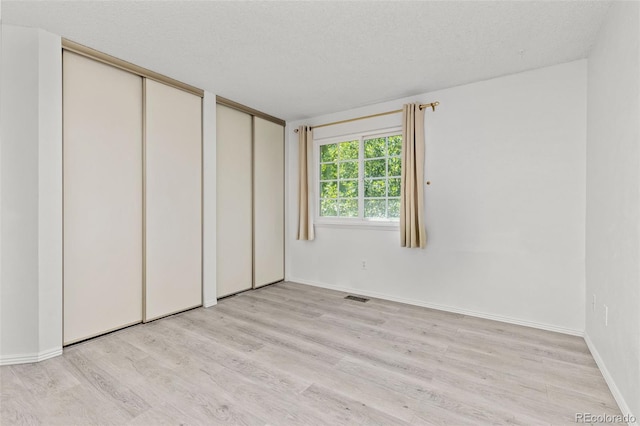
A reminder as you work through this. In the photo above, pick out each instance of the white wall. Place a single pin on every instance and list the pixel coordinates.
(31, 202)
(49, 193)
(209, 258)
(613, 203)
(504, 213)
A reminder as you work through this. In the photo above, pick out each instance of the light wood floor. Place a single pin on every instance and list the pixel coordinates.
(293, 354)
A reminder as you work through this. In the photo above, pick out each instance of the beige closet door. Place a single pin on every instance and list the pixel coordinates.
(268, 202)
(102, 154)
(173, 200)
(234, 223)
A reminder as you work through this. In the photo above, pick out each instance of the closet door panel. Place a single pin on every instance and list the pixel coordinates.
(234, 201)
(173, 200)
(102, 154)
(268, 202)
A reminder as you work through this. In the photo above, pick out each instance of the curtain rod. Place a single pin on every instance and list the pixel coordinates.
(432, 105)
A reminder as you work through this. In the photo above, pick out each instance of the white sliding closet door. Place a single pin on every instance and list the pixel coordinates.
(173, 203)
(268, 202)
(234, 205)
(102, 154)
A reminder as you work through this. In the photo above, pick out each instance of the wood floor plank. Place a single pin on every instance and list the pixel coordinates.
(358, 387)
(11, 386)
(293, 354)
(523, 367)
(435, 415)
(81, 405)
(484, 374)
(111, 346)
(280, 407)
(412, 387)
(220, 358)
(242, 324)
(319, 304)
(349, 411)
(25, 410)
(377, 305)
(283, 303)
(157, 416)
(107, 385)
(43, 379)
(342, 342)
(353, 331)
(576, 398)
(325, 329)
(503, 398)
(395, 336)
(529, 348)
(529, 334)
(194, 397)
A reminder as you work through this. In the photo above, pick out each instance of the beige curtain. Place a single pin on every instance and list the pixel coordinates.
(412, 230)
(305, 190)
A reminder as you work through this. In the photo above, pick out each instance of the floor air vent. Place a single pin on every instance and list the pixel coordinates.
(357, 298)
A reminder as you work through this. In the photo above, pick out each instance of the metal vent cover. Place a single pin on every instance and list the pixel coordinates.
(357, 298)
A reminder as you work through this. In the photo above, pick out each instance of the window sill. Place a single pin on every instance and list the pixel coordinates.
(380, 226)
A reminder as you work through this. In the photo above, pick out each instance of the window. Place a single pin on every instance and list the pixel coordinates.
(359, 178)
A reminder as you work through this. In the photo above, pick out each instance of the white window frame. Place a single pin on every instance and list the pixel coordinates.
(348, 222)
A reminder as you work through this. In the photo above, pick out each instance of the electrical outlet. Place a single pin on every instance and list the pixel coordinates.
(593, 304)
(606, 315)
(364, 265)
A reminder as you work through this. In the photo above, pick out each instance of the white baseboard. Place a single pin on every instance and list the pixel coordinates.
(510, 320)
(28, 358)
(210, 303)
(624, 407)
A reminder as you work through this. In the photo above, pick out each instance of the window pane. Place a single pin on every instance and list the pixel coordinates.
(375, 208)
(328, 153)
(328, 171)
(349, 188)
(395, 166)
(394, 207)
(348, 208)
(394, 187)
(329, 189)
(374, 148)
(328, 207)
(375, 168)
(342, 168)
(349, 150)
(349, 170)
(375, 188)
(395, 145)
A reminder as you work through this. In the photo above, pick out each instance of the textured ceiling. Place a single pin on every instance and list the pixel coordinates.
(301, 59)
